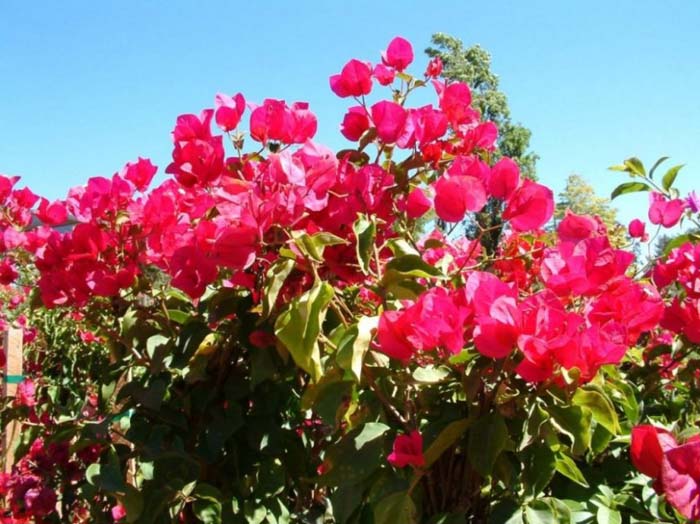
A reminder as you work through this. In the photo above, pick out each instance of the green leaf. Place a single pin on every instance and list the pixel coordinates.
(299, 326)
(274, 280)
(565, 465)
(670, 177)
(629, 187)
(356, 456)
(400, 247)
(369, 432)
(355, 344)
(627, 399)
(431, 374)
(657, 164)
(680, 240)
(445, 439)
(397, 507)
(547, 511)
(106, 477)
(605, 515)
(601, 407)
(177, 316)
(487, 438)
(537, 416)
(575, 422)
(452, 518)
(412, 266)
(600, 439)
(314, 245)
(132, 501)
(635, 166)
(365, 233)
(506, 512)
(539, 465)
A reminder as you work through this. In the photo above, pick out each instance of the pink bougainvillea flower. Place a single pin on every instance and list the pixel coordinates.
(40, 500)
(355, 123)
(384, 75)
(52, 213)
(6, 185)
(693, 201)
(503, 178)
(389, 119)
(637, 229)
(680, 476)
(434, 320)
(192, 272)
(139, 173)
(8, 272)
(274, 120)
(647, 447)
(496, 334)
(268, 120)
(529, 207)
(229, 110)
(355, 79)
(118, 512)
(457, 195)
(417, 204)
(674, 467)
(663, 211)
(26, 393)
(434, 68)
(431, 125)
(399, 54)
(407, 451)
(455, 101)
(198, 157)
(574, 228)
(393, 332)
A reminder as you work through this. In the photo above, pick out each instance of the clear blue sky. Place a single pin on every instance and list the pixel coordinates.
(86, 86)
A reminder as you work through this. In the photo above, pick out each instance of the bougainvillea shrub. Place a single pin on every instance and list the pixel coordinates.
(281, 333)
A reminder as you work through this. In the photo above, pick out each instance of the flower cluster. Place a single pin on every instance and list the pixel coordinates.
(267, 313)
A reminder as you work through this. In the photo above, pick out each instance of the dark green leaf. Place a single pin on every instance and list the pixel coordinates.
(365, 233)
(601, 407)
(629, 187)
(566, 466)
(314, 245)
(575, 422)
(397, 507)
(657, 164)
(487, 438)
(538, 468)
(413, 265)
(547, 511)
(670, 177)
(680, 240)
(531, 431)
(132, 501)
(635, 166)
(177, 316)
(445, 439)
(106, 477)
(355, 456)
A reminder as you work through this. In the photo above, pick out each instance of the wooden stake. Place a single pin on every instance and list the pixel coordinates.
(12, 376)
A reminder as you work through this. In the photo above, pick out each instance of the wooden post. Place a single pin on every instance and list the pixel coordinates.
(12, 346)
